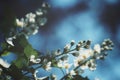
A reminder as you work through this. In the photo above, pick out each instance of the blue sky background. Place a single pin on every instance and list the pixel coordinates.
(79, 20)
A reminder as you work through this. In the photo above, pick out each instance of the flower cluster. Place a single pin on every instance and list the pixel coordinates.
(30, 24)
(32, 21)
(84, 57)
(73, 60)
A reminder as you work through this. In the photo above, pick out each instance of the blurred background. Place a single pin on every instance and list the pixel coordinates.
(77, 20)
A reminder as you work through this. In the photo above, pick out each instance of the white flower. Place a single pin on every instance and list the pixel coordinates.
(77, 62)
(4, 63)
(20, 23)
(83, 67)
(60, 63)
(90, 52)
(85, 53)
(91, 65)
(67, 47)
(39, 12)
(35, 32)
(72, 72)
(32, 29)
(72, 42)
(97, 48)
(66, 65)
(9, 40)
(47, 67)
(31, 17)
(32, 59)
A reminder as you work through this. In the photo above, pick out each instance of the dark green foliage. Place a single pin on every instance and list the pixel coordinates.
(78, 77)
(21, 62)
(14, 72)
(7, 25)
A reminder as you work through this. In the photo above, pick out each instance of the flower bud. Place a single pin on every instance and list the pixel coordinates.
(66, 48)
(65, 57)
(88, 42)
(78, 47)
(72, 42)
(76, 54)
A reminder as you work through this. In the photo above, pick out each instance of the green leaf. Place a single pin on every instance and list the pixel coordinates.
(21, 41)
(19, 44)
(22, 46)
(21, 62)
(5, 53)
(30, 51)
(4, 45)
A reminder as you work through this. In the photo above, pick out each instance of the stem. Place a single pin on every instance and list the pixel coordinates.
(63, 53)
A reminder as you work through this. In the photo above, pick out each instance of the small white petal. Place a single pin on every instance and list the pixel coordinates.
(72, 72)
(9, 41)
(20, 23)
(32, 56)
(39, 12)
(35, 32)
(59, 64)
(97, 48)
(4, 63)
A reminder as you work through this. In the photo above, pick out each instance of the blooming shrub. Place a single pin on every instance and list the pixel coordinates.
(85, 56)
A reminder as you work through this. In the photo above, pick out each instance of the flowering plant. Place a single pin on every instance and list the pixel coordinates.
(29, 60)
